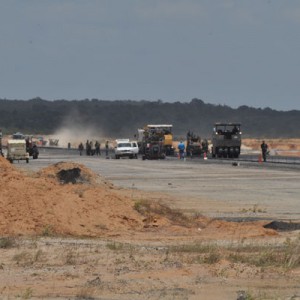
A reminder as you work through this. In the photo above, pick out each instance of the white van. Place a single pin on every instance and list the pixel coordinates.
(126, 148)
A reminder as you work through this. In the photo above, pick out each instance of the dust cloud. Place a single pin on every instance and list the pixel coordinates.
(74, 131)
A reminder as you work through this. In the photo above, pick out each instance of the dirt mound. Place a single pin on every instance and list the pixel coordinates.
(40, 204)
(67, 172)
(69, 199)
(5, 165)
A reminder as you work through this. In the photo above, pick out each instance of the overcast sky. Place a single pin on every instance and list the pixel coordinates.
(224, 52)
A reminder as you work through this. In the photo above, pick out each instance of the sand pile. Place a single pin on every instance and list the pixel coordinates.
(69, 199)
(41, 203)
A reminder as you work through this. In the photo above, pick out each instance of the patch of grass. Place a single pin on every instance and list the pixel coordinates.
(284, 256)
(101, 226)
(70, 258)
(212, 258)
(24, 258)
(7, 242)
(245, 295)
(47, 230)
(115, 246)
(140, 206)
(205, 253)
(38, 255)
(148, 208)
(291, 255)
(85, 293)
(194, 248)
(254, 209)
(27, 293)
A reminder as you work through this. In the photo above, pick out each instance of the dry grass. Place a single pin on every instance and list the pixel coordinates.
(284, 256)
(98, 267)
(7, 242)
(151, 208)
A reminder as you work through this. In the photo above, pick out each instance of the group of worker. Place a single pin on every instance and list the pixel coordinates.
(92, 149)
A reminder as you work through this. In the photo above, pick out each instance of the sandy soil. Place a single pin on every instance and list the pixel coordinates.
(92, 240)
(290, 147)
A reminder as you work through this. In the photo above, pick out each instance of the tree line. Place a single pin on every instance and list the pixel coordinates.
(123, 117)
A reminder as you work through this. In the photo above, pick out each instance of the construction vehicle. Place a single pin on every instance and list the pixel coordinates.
(155, 141)
(16, 148)
(193, 144)
(226, 140)
(53, 142)
(161, 133)
(31, 147)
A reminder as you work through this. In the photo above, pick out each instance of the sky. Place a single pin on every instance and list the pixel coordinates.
(228, 52)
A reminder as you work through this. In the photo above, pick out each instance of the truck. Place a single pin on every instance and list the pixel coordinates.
(16, 150)
(31, 146)
(226, 140)
(126, 148)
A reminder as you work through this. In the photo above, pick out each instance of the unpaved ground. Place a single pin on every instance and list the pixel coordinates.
(94, 240)
(290, 147)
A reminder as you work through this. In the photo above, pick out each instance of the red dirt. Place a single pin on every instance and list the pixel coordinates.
(38, 203)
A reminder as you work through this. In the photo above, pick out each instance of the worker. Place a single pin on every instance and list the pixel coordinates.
(97, 148)
(87, 147)
(80, 148)
(264, 150)
(106, 148)
(181, 148)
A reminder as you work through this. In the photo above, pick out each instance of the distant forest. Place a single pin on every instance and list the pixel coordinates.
(121, 118)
